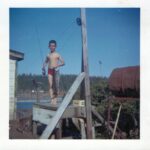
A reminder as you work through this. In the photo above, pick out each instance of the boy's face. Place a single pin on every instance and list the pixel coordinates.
(52, 47)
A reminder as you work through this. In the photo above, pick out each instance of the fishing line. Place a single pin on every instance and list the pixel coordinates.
(65, 30)
(39, 43)
(67, 40)
(60, 37)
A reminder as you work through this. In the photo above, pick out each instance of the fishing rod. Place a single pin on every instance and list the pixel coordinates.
(40, 49)
(77, 21)
(38, 40)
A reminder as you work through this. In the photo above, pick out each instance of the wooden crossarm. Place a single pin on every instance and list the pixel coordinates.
(67, 99)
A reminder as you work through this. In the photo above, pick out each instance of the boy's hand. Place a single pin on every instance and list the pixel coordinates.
(56, 66)
(59, 65)
(43, 71)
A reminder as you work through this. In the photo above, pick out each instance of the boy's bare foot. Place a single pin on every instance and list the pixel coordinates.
(53, 101)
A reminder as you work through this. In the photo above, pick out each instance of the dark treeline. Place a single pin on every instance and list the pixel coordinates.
(25, 83)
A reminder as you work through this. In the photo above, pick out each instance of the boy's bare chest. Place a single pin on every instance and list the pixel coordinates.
(53, 57)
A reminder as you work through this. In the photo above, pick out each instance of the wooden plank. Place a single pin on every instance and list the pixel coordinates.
(67, 99)
(16, 55)
(116, 123)
(98, 115)
(34, 129)
(109, 112)
(58, 133)
(48, 106)
(43, 115)
(82, 126)
(93, 132)
(74, 112)
(86, 70)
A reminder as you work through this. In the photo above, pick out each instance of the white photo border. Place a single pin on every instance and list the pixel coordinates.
(141, 144)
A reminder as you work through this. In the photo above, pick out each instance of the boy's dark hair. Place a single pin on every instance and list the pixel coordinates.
(52, 41)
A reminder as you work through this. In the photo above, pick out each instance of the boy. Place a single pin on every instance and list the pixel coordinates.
(54, 61)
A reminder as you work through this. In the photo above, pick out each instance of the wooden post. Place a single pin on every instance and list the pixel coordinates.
(116, 123)
(85, 68)
(93, 132)
(34, 129)
(59, 130)
(82, 128)
(108, 112)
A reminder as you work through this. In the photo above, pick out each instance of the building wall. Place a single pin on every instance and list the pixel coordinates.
(12, 85)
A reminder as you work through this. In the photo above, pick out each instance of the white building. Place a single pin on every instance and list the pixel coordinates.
(15, 56)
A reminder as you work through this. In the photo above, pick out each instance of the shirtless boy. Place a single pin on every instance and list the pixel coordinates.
(54, 61)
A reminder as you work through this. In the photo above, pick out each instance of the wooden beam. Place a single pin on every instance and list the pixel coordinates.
(48, 106)
(98, 115)
(44, 115)
(58, 131)
(85, 68)
(93, 132)
(82, 126)
(34, 129)
(116, 123)
(67, 99)
(15, 55)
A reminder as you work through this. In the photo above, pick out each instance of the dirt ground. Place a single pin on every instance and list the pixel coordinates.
(21, 128)
(16, 132)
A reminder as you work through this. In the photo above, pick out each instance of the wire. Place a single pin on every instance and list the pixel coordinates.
(38, 40)
(60, 37)
(67, 39)
(65, 30)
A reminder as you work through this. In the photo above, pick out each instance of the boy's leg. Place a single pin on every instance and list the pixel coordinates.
(51, 92)
(56, 83)
(55, 93)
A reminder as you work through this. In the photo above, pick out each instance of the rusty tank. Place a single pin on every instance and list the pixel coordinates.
(125, 82)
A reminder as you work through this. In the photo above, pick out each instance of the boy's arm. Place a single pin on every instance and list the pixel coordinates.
(45, 62)
(62, 63)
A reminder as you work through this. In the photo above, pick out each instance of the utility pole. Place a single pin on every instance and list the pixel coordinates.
(85, 68)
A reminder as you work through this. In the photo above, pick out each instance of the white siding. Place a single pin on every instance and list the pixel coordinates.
(12, 99)
(12, 75)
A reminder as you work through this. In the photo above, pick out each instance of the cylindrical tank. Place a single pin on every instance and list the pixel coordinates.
(125, 82)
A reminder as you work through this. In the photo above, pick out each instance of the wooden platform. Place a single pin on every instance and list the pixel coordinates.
(43, 112)
(51, 115)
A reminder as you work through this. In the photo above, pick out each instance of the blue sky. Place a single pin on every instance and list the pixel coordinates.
(113, 38)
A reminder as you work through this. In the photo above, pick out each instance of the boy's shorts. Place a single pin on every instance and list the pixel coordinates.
(51, 71)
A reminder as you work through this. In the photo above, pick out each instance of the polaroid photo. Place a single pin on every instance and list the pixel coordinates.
(75, 74)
